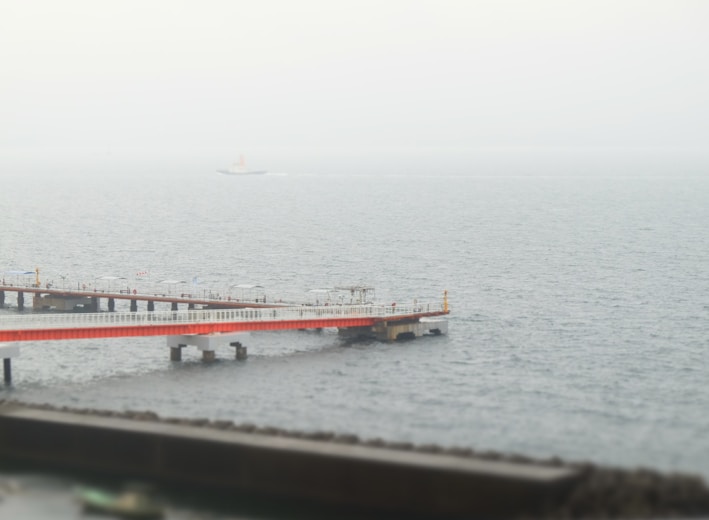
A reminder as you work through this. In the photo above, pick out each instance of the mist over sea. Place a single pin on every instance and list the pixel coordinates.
(580, 303)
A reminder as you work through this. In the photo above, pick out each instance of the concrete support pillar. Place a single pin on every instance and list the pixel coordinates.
(134, 306)
(176, 352)
(2, 299)
(95, 304)
(7, 352)
(240, 353)
(208, 343)
(401, 330)
(173, 307)
(151, 305)
(20, 301)
(111, 304)
(190, 306)
(355, 333)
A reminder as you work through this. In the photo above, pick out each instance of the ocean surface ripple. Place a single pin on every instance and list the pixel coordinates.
(580, 305)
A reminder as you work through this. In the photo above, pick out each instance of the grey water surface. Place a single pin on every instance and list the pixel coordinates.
(580, 305)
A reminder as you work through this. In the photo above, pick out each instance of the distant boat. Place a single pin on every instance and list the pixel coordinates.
(239, 168)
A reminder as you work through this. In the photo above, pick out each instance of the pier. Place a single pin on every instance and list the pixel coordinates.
(373, 319)
(208, 327)
(89, 300)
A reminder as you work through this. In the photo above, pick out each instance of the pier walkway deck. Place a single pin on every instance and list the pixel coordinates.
(89, 298)
(37, 327)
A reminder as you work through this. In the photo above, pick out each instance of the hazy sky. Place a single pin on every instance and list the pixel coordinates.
(219, 76)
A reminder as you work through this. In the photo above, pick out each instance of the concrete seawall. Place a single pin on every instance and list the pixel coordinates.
(347, 475)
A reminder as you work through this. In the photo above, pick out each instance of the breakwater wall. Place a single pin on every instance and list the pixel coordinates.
(337, 470)
(225, 460)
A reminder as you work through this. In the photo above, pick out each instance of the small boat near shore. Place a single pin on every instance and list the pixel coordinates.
(127, 504)
(239, 168)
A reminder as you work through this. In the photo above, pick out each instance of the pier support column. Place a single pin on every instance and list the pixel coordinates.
(399, 330)
(356, 333)
(7, 352)
(173, 307)
(240, 353)
(151, 305)
(2, 299)
(95, 304)
(134, 306)
(190, 306)
(111, 305)
(208, 343)
(20, 301)
(176, 352)
(7, 370)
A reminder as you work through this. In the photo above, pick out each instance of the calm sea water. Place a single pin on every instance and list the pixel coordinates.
(580, 305)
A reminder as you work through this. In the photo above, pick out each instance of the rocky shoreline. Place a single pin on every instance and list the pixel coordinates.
(600, 492)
